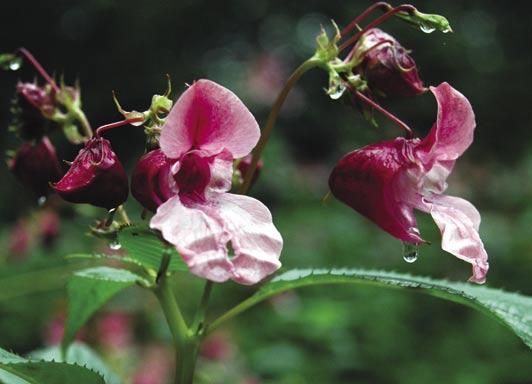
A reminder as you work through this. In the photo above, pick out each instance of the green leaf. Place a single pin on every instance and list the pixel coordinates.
(16, 281)
(511, 309)
(90, 289)
(146, 248)
(81, 354)
(40, 372)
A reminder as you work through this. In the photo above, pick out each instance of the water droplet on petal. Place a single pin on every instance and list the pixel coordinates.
(410, 252)
(115, 245)
(41, 201)
(427, 29)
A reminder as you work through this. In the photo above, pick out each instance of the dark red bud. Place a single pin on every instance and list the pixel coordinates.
(387, 66)
(33, 103)
(96, 177)
(36, 165)
(243, 167)
(150, 182)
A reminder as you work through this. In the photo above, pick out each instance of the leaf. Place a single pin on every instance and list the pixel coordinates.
(81, 354)
(511, 309)
(146, 248)
(90, 289)
(16, 282)
(40, 372)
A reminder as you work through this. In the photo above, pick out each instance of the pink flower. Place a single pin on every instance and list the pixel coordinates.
(206, 130)
(386, 181)
(387, 66)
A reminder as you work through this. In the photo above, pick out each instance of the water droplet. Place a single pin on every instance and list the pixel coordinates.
(447, 30)
(336, 92)
(15, 65)
(427, 29)
(410, 252)
(115, 245)
(41, 201)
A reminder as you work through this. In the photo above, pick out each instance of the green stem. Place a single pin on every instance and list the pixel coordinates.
(236, 310)
(84, 122)
(199, 320)
(123, 214)
(176, 323)
(272, 118)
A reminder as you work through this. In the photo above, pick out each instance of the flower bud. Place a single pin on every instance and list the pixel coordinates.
(387, 66)
(36, 165)
(32, 104)
(151, 179)
(96, 177)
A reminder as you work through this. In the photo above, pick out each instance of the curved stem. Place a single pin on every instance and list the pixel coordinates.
(389, 115)
(28, 56)
(374, 23)
(84, 122)
(107, 127)
(352, 25)
(272, 118)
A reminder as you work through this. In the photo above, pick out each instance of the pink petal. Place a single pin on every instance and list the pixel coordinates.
(458, 221)
(255, 240)
(202, 231)
(452, 133)
(210, 118)
(198, 234)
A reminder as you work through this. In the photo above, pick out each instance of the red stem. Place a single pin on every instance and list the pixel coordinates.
(107, 127)
(389, 115)
(376, 45)
(377, 21)
(28, 56)
(381, 4)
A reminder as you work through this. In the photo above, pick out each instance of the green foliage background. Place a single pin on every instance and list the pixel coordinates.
(327, 334)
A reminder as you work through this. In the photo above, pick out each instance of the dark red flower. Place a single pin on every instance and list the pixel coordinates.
(150, 182)
(387, 66)
(36, 165)
(96, 177)
(33, 104)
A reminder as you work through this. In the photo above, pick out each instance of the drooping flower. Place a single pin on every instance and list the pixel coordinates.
(386, 181)
(220, 235)
(95, 177)
(387, 66)
(36, 165)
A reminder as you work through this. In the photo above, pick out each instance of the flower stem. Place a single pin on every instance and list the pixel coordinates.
(272, 118)
(354, 24)
(178, 328)
(402, 8)
(83, 121)
(38, 67)
(389, 115)
(199, 320)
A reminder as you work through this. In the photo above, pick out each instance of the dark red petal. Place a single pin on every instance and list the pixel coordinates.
(368, 180)
(150, 182)
(96, 177)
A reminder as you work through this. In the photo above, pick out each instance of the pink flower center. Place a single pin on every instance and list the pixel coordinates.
(193, 176)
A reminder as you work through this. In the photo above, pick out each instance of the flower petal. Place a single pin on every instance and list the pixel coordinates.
(210, 118)
(201, 232)
(198, 235)
(372, 181)
(453, 131)
(458, 221)
(255, 240)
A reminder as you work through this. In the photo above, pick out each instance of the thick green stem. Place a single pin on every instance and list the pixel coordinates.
(272, 118)
(83, 122)
(199, 320)
(176, 323)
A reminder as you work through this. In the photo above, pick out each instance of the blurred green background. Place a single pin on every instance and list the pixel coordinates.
(334, 334)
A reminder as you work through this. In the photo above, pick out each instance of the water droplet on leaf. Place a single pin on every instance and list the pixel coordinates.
(115, 245)
(410, 252)
(337, 92)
